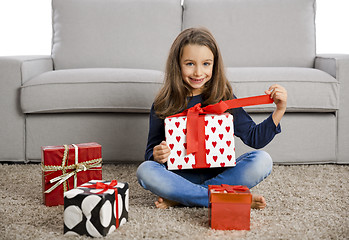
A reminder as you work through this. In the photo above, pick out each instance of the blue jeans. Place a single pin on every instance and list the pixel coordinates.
(189, 186)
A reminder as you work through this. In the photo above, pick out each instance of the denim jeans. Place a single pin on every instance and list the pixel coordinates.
(190, 186)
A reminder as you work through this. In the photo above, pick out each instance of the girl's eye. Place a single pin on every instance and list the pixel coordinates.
(207, 64)
(189, 64)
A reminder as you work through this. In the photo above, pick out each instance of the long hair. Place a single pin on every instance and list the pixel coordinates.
(173, 96)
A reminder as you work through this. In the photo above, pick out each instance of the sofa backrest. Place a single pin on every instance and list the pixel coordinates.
(258, 33)
(139, 33)
(114, 33)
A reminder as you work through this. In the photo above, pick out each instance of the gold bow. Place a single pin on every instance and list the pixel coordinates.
(82, 166)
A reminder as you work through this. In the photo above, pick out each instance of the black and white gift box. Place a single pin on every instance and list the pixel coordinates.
(96, 208)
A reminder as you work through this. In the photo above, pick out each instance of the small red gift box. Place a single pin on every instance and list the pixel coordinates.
(204, 137)
(230, 207)
(68, 166)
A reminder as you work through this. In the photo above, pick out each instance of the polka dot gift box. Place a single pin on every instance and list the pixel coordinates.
(204, 137)
(96, 208)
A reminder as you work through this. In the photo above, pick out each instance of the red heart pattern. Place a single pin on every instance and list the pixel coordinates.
(179, 153)
(219, 142)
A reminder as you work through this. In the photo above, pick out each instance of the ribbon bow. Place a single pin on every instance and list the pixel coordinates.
(229, 188)
(218, 108)
(103, 186)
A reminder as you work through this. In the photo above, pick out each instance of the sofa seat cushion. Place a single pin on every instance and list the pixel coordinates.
(91, 90)
(309, 90)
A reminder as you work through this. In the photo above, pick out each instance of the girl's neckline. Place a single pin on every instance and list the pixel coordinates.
(194, 96)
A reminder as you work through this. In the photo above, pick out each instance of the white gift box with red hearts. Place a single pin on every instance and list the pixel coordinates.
(218, 138)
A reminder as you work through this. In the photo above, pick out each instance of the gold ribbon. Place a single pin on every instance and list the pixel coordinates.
(82, 166)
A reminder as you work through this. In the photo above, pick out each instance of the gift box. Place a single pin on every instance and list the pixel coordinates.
(68, 166)
(229, 207)
(204, 137)
(96, 208)
(216, 143)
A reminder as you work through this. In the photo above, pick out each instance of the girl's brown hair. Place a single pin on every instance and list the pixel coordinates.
(173, 96)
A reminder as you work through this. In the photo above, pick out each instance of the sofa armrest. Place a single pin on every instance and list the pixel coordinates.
(337, 65)
(14, 71)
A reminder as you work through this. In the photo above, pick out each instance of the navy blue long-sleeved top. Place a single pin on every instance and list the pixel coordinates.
(252, 134)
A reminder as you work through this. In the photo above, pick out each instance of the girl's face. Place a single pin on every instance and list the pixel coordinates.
(196, 66)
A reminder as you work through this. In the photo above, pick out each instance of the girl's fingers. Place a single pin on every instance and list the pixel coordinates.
(276, 91)
(161, 152)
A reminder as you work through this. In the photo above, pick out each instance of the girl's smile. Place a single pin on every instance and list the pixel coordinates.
(197, 80)
(196, 66)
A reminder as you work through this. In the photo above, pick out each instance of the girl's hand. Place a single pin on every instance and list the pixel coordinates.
(161, 152)
(279, 96)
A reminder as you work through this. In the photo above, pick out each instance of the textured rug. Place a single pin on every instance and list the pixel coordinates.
(303, 202)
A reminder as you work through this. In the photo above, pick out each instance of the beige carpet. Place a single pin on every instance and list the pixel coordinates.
(304, 202)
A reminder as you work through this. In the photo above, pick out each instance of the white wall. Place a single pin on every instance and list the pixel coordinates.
(332, 26)
(25, 27)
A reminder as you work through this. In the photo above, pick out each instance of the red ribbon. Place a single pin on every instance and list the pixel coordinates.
(218, 108)
(229, 188)
(103, 186)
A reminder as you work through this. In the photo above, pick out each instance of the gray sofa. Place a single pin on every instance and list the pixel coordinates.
(107, 65)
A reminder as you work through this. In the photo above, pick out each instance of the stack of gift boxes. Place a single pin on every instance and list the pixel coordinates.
(72, 176)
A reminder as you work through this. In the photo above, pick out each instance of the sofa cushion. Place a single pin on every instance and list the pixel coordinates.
(258, 33)
(133, 90)
(91, 90)
(309, 90)
(114, 33)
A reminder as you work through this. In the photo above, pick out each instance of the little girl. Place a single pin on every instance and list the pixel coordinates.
(195, 74)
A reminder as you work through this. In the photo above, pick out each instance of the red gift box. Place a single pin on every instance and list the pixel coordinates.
(68, 166)
(204, 137)
(230, 207)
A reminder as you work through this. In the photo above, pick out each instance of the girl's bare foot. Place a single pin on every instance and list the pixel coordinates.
(258, 202)
(164, 203)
